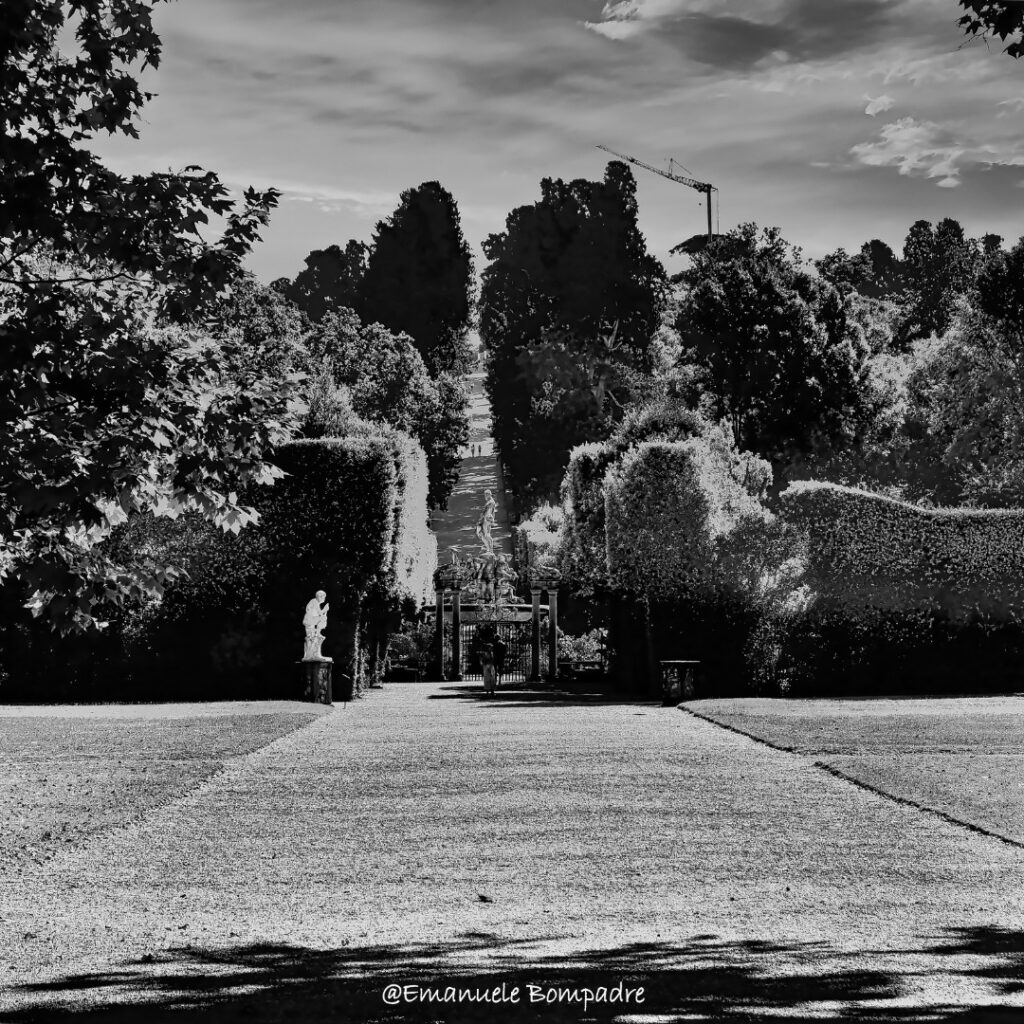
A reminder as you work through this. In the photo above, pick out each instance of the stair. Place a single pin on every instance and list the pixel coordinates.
(456, 525)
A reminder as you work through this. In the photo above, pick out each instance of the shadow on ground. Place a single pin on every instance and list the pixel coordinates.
(705, 979)
(524, 695)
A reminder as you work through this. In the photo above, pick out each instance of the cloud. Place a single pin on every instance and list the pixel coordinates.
(730, 33)
(878, 104)
(929, 150)
(1013, 106)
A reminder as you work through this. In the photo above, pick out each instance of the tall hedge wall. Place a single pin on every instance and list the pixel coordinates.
(865, 550)
(350, 517)
(352, 510)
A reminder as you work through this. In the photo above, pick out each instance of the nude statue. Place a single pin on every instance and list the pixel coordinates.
(486, 522)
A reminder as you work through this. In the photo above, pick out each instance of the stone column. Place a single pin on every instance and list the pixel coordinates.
(456, 636)
(553, 634)
(535, 642)
(439, 623)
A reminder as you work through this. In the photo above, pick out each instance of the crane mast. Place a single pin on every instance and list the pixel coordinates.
(700, 186)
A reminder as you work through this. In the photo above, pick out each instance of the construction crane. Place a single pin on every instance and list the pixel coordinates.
(700, 186)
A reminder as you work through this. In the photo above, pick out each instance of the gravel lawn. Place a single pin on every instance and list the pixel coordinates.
(426, 837)
(69, 772)
(960, 756)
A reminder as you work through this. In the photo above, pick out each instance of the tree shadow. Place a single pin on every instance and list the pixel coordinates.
(520, 695)
(706, 979)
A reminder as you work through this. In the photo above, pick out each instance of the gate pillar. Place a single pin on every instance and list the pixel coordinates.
(456, 636)
(535, 637)
(553, 633)
(439, 639)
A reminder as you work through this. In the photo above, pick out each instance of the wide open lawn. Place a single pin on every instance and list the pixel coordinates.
(961, 756)
(69, 772)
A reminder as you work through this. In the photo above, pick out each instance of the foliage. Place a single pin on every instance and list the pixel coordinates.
(380, 377)
(570, 302)
(681, 518)
(350, 518)
(782, 356)
(583, 561)
(352, 511)
(589, 646)
(874, 272)
(1000, 18)
(939, 266)
(538, 540)
(828, 651)
(419, 278)
(865, 550)
(265, 328)
(330, 281)
(101, 412)
(442, 427)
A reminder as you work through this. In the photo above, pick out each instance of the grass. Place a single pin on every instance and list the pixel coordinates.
(963, 757)
(69, 773)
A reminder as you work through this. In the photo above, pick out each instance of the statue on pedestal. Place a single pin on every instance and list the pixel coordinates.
(486, 522)
(314, 621)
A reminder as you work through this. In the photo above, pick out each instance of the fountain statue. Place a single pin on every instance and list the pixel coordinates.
(486, 522)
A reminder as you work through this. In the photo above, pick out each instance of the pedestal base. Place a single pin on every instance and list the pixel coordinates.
(317, 681)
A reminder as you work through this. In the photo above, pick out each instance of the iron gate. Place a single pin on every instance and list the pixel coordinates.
(516, 638)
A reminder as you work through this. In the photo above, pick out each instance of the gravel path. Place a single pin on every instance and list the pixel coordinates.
(423, 834)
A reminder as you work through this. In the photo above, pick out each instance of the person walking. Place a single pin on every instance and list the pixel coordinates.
(500, 653)
(489, 669)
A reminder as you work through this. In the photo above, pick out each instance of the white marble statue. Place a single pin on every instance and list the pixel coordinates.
(486, 522)
(315, 622)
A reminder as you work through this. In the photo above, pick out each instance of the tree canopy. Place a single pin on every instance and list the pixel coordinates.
(106, 407)
(419, 277)
(569, 304)
(382, 379)
(331, 280)
(1003, 19)
(782, 356)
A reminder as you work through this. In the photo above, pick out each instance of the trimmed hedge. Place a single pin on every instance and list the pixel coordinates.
(869, 551)
(352, 511)
(349, 518)
(583, 559)
(680, 521)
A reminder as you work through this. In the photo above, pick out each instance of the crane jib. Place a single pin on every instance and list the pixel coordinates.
(700, 186)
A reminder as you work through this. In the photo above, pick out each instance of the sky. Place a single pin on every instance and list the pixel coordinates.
(836, 120)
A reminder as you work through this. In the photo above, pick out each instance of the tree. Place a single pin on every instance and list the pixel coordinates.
(383, 379)
(267, 328)
(104, 410)
(782, 355)
(330, 281)
(875, 271)
(569, 304)
(1002, 18)
(939, 266)
(419, 278)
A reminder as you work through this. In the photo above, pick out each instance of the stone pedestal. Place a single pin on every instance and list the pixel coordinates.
(316, 677)
(439, 636)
